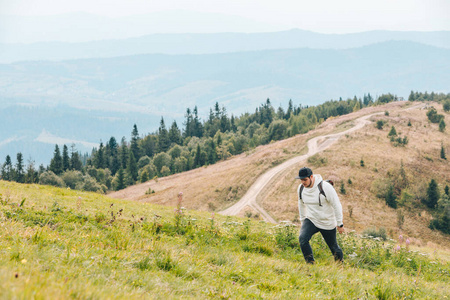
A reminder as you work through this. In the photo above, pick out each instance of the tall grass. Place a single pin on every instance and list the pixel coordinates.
(54, 247)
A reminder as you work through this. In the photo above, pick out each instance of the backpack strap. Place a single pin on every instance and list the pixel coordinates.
(320, 192)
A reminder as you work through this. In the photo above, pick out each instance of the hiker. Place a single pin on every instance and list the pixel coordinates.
(320, 211)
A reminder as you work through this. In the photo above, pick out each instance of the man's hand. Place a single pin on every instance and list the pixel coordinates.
(341, 229)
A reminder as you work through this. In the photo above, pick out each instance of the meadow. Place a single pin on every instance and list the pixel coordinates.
(64, 244)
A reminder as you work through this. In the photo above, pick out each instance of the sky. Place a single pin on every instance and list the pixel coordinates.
(325, 16)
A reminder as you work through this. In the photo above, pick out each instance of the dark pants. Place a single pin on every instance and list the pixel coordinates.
(308, 230)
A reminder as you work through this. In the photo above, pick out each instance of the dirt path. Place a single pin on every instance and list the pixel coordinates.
(315, 145)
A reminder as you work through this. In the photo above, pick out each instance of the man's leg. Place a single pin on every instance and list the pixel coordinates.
(330, 238)
(306, 232)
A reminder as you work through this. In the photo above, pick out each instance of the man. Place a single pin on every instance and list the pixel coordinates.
(320, 211)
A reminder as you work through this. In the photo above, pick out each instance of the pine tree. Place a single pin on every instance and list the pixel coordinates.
(443, 156)
(198, 127)
(342, 189)
(7, 169)
(31, 176)
(393, 132)
(163, 137)
(391, 199)
(432, 194)
(175, 134)
(20, 173)
(289, 110)
(197, 159)
(132, 169)
(134, 144)
(123, 153)
(442, 125)
(120, 180)
(65, 158)
(56, 164)
(75, 161)
(115, 164)
(99, 159)
(188, 124)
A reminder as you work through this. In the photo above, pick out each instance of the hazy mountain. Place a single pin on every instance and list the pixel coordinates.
(151, 86)
(83, 27)
(211, 43)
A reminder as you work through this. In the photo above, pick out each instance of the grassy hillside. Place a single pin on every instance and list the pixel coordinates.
(59, 243)
(216, 187)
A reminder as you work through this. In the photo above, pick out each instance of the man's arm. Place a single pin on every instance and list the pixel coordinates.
(301, 206)
(333, 198)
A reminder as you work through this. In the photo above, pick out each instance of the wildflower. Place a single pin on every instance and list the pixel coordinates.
(407, 241)
(24, 261)
(397, 248)
(400, 238)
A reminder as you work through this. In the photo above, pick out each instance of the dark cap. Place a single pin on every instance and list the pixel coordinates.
(304, 173)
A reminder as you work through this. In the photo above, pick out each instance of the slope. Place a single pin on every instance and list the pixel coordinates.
(59, 244)
(218, 186)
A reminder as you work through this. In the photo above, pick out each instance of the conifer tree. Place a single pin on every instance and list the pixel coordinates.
(197, 158)
(432, 194)
(99, 159)
(393, 132)
(7, 169)
(134, 144)
(115, 164)
(198, 127)
(443, 156)
(441, 125)
(391, 199)
(56, 164)
(120, 180)
(31, 175)
(20, 172)
(75, 160)
(65, 158)
(123, 153)
(175, 134)
(289, 111)
(132, 169)
(163, 137)
(188, 124)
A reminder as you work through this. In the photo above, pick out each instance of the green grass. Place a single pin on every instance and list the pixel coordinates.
(63, 244)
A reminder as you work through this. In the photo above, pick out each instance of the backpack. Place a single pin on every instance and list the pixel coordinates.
(320, 190)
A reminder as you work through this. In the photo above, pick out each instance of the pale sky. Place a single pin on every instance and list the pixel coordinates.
(326, 16)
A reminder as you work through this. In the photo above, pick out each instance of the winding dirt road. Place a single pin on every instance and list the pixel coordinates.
(315, 145)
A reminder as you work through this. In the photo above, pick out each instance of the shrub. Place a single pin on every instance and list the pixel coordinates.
(50, 178)
(89, 184)
(317, 161)
(72, 178)
(374, 232)
(380, 124)
(433, 116)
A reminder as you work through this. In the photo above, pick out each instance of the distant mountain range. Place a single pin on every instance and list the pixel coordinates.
(208, 43)
(142, 88)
